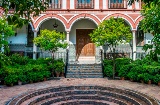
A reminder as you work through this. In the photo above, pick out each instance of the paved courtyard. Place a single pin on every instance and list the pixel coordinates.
(7, 93)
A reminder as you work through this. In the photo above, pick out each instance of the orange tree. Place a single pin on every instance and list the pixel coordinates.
(111, 32)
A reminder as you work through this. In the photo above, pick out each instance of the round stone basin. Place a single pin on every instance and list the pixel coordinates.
(83, 95)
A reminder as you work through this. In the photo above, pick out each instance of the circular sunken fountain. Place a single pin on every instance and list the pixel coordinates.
(83, 95)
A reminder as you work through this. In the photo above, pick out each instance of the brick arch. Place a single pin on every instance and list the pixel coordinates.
(47, 17)
(138, 20)
(125, 17)
(83, 16)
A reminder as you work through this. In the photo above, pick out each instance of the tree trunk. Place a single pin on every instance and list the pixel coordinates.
(114, 66)
(52, 55)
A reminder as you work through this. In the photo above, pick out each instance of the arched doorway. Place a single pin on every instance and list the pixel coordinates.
(79, 36)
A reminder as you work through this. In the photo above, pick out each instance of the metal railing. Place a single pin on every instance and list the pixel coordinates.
(55, 4)
(85, 4)
(117, 4)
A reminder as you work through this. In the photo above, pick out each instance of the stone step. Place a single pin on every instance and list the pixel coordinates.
(87, 94)
(84, 71)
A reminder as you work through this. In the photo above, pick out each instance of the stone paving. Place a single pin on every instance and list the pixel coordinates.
(7, 93)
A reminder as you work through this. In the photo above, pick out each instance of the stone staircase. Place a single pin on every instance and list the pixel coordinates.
(84, 71)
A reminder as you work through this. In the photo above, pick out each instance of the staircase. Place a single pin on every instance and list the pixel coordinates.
(84, 71)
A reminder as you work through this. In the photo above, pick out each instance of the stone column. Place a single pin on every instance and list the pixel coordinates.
(134, 45)
(67, 36)
(34, 45)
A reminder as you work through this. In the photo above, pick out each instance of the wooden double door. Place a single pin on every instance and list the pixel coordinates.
(84, 45)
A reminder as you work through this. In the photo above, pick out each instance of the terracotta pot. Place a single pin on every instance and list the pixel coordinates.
(57, 74)
(131, 80)
(142, 81)
(122, 78)
(45, 79)
(159, 83)
(149, 82)
(62, 74)
(19, 82)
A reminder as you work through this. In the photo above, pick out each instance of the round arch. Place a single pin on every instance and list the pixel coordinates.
(83, 16)
(138, 21)
(125, 17)
(44, 18)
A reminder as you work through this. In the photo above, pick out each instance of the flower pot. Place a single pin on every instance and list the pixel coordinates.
(122, 78)
(131, 80)
(159, 83)
(57, 74)
(45, 79)
(149, 82)
(19, 82)
(62, 74)
(142, 81)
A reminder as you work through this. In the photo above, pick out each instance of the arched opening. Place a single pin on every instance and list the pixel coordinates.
(80, 42)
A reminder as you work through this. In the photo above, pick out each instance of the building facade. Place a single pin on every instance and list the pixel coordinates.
(77, 18)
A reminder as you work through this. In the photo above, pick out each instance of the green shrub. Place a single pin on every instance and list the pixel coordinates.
(18, 59)
(145, 77)
(124, 70)
(22, 78)
(58, 65)
(107, 62)
(120, 62)
(156, 78)
(11, 79)
(108, 71)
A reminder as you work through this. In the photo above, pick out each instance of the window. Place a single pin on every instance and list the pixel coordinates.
(85, 4)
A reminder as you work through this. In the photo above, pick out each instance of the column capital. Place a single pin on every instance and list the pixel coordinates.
(67, 30)
(134, 30)
(34, 30)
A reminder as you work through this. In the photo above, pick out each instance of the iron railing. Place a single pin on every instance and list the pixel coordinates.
(117, 4)
(55, 4)
(85, 4)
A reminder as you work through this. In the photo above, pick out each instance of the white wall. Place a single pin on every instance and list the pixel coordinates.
(147, 38)
(80, 24)
(20, 38)
(48, 24)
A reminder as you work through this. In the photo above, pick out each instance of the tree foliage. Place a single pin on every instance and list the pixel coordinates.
(51, 40)
(22, 10)
(111, 32)
(5, 32)
(151, 24)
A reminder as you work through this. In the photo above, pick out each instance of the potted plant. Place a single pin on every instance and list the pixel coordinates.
(21, 79)
(58, 67)
(146, 77)
(156, 79)
(46, 74)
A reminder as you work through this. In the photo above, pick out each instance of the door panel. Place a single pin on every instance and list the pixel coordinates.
(84, 45)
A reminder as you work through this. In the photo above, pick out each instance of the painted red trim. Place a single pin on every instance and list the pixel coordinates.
(100, 4)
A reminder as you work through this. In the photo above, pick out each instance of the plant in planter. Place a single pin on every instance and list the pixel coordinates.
(145, 77)
(46, 74)
(108, 71)
(156, 79)
(124, 71)
(11, 79)
(58, 67)
(132, 76)
(21, 79)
